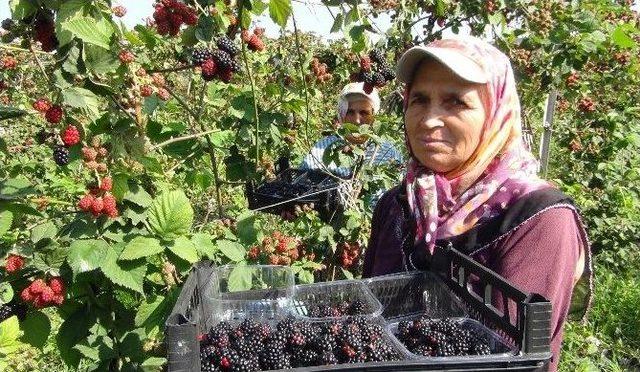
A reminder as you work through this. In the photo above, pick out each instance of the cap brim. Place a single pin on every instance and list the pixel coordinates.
(459, 64)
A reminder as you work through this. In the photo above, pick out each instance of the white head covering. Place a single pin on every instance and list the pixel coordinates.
(352, 92)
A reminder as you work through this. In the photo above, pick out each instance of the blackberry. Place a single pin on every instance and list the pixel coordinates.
(327, 358)
(208, 366)
(297, 340)
(306, 358)
(276, 340)
(307, 329)
(225, 358)
(235, 66)
(61, 155)
(227, 45)
(286, 327)
(376, 56)
(378, 79)
(424, 350)
(435, 338)
(200, 55)
(404, 329)
(461, 345)
(6, 311)
(7, 24)
(481, 349)
(324, 343)
(219, 338)
(387, 71)
(222, 59)
(274, 358)
(242, 346)
(371, 332)
(357, 308)
(445, 349)
(249, 326)
(369, 78)
(244, 365)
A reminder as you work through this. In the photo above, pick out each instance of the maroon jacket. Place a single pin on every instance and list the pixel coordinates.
(536, 245)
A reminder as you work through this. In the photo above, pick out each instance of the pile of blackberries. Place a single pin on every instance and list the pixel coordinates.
(344, 308)
(291, 343)
(441, 338)
(218, 63)
(374, 71)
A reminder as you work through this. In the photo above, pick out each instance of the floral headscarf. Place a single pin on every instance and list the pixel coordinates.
(499, 172)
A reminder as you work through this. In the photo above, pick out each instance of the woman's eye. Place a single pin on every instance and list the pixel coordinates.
(457, 102)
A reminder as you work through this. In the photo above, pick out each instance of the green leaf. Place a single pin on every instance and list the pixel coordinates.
(120, 186)
(347, 274)
(621, 38)
(139, 196)
(68, 9)
(358, 38)
(247, 230)
(141, 246)
(74, 329)
(8, 112)
(6, 219)
(90, 31)
(153, 313)
(305, 276)
(153, 364)
(43, 231)
(280, 10)
(127, 274)
(99, 61)
(232, 250)
(205, 28)
(36, 328)
(337, 23)
(240, 279)
(22, 8)
(171, 214)
(9, 333)
(185, 249)
(86, 255)
(83, 99)
(204, 244)
(6, 293)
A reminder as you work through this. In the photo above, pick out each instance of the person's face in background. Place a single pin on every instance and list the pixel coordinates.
(360, 112)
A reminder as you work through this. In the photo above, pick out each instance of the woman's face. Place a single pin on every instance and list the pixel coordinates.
(360, 111)
(444, 118)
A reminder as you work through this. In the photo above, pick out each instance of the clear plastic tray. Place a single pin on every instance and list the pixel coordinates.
(309, 295)
(498, 345)
(254, 291)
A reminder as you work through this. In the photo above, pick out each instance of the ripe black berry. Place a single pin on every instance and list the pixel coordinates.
(227, 45)
(387, 71)
(376, 56)
(200, 55)
(61, 155)
(6, 311)
(222, 59)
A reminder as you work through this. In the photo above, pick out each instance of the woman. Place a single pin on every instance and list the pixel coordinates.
(355, 106)
(472, 182)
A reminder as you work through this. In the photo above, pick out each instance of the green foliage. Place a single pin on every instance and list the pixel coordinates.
(179, 163)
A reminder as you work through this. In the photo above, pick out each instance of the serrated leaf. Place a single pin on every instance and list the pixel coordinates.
(86, 255)
(153, 313)
(8, 112)
(73, 330)
(232, 250)
(43, 231)
(83, 99)
(127, 274)
(204, 244)
(280, 10)
(171, 214)
(99, 61)
(621, 38)
(120, 185)
(9, 333)
(68, 10)
(141, 246)
(139, 196)
(90, 31)
(36, 328)
(185, 249)
(337, 23)
(6, 219)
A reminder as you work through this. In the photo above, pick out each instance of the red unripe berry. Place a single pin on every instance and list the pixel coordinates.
(86, 202)
(106, 184)
(26, 294)
(14, 263)
(146, 90)
(89, 154)
(57, 285)
(96, 206)
(41, 105)
(119, 11)
(37, 286)
(70, 136)
(54, 114)
(126, 56)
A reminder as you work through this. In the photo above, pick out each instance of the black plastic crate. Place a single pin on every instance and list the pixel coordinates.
(296, 187)
(452, 295)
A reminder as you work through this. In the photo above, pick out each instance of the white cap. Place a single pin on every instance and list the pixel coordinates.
(353, 90)
(463, 66)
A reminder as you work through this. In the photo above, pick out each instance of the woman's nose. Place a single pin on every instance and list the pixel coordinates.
(432, 118)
